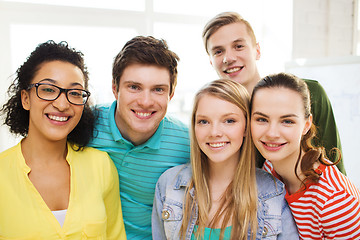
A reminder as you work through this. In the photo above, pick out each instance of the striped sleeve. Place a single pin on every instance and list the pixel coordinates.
(329, 209)
(341, 214)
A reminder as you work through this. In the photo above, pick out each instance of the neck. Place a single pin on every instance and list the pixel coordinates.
(41, 150)
(221, 175)
(136, 138)
(286, 170)
(250, 86)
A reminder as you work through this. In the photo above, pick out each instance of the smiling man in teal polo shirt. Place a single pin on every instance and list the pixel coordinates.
(134, 130)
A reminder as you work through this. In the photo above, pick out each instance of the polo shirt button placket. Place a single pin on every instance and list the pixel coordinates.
(125, 162)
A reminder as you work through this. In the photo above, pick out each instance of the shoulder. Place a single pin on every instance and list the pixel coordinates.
(103, 108)
(7, 156)
(102, 111)
(91, 152)
(175, 135)
(268, 186)
(312, 83)
(177, 176)
(172, 123)
(315, 87)
(105, 124)
(10, 151)
(91, 156)
(334, 181)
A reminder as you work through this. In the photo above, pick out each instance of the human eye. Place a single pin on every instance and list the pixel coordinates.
(288, 121)
(76, 93)
(217, 52)
(133, 87)
(202, 122)
(230, 120)
(239, 46)
(47, 91)
(261, 119)
(159, 90)
(45, 88)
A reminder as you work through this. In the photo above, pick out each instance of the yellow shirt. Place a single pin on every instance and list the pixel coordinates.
(94, 210)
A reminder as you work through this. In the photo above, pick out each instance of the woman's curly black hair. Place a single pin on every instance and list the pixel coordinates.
(17, 118)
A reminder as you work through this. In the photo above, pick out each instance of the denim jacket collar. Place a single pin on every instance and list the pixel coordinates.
(274, 216)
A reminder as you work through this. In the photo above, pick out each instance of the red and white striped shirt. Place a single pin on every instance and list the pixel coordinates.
(329, 209)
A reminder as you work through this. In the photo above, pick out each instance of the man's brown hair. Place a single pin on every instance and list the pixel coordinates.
(149, 51)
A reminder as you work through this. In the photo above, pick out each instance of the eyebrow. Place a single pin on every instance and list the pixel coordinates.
(283, 116)
(162, 85)
(225, 115)
(239, 40)
(138, 83)
(54, 82)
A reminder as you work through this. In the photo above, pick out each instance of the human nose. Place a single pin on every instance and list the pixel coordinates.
(273, 131)
(229, 57)
(215, 130)
(61, 103)
(145, 99)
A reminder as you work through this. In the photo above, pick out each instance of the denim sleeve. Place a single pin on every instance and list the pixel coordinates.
(289, 229)
(157, 223)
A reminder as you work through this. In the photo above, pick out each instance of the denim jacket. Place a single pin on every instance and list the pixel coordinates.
(275, 220)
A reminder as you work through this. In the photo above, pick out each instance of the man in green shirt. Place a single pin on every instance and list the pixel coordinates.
(233, 51)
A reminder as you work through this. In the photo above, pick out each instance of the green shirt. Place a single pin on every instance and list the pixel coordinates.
(213, 233)
(324, 120)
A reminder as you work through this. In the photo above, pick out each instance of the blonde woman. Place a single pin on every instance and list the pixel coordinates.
(220, 194)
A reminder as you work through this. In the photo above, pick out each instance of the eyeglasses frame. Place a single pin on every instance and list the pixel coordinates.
(62, 90)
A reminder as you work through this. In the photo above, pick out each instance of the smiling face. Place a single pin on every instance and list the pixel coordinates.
(142, 100)
(53, 120)
(278, 123)
(219, 132)
(233, 54)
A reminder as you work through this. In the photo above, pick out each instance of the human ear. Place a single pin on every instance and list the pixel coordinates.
(172, 94)
(25, 99)
(115, 90)
(258, 52)
(211, 63)
(308, 124)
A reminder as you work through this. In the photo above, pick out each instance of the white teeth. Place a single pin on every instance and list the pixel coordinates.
(272, 145)
(57, 118)
(215, 145)
(232, 70)
(141, 114)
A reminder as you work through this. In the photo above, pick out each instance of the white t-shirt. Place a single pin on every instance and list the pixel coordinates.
(60, 216)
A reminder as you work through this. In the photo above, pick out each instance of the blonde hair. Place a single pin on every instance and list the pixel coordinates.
(224, 19)
(240, 197)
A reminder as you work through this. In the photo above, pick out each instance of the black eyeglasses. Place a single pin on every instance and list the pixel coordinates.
(50, 92)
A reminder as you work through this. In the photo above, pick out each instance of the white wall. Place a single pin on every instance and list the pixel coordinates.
(323, 28)
(324, 45)
(101, 31)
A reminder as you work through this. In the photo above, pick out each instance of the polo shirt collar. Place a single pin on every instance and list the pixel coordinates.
(153, 142)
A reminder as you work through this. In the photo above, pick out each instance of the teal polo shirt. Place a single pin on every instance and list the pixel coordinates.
(139, 167)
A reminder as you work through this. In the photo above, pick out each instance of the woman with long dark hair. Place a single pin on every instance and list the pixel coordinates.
(324, 202)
